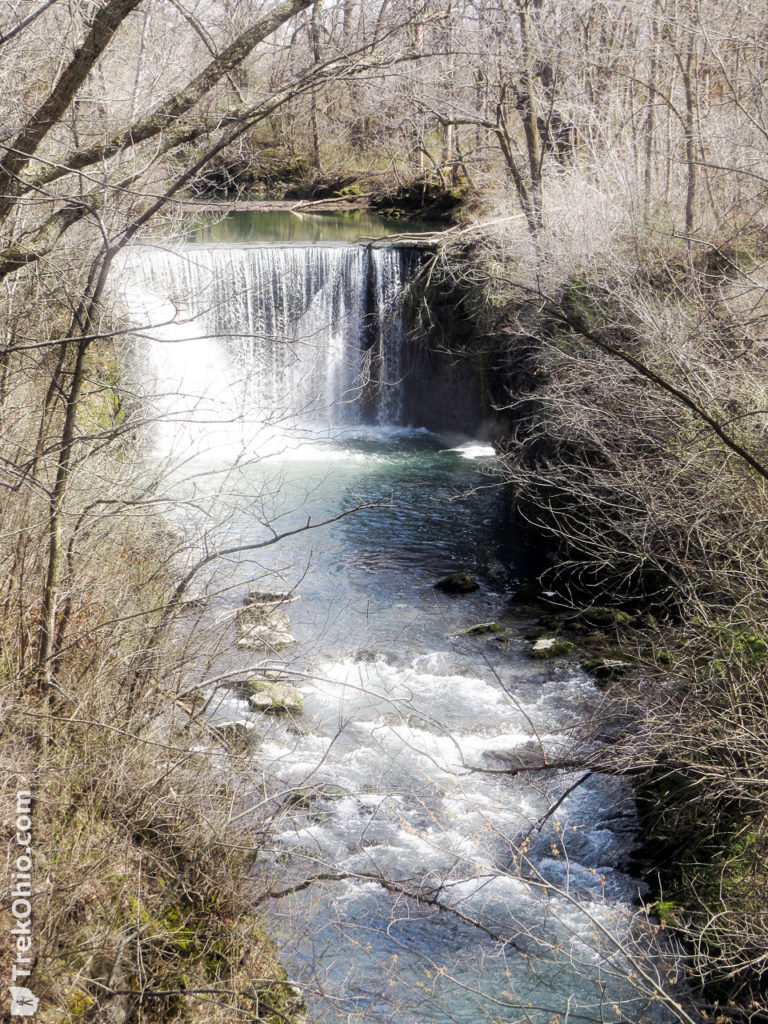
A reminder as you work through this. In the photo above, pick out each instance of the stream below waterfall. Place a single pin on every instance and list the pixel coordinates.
(286, 395)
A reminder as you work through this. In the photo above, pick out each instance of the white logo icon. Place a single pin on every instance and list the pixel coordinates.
(23, 1002)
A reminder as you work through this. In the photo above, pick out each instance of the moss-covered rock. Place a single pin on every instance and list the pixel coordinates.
(274, 696)
(550, 647)
(529, 754)
(483, 628)
(604, 617)
(552, 623)
(425, 199)
(526, 593)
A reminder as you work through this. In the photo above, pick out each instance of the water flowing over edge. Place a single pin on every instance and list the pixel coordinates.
(277, 340)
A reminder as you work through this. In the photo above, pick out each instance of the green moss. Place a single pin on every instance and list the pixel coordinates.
(172, 916)
(216, 962)
(747, 645)
(604, 617)
(550, 622)
(355, 189)
(274, 696)
(483, 628)
(667, 911)
(550, 647)
(258, 684)
(78, 1002)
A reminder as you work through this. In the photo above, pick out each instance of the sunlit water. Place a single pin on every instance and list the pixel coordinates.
(282, 226)
(448, 889)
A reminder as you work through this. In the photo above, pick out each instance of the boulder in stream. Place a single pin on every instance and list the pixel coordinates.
(550, 647)
(265, 598)
(529, 754)
(457, 583)
(484, 628)
(274, 696)
(263, 626)
(241, 732)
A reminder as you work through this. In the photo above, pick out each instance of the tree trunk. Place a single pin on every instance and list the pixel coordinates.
(84, 320)
(690, 144)
(650, 121)
(317, 54)
(51, 590)
(530, 121)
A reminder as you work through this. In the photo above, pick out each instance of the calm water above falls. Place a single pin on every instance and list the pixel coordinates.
(460, 894)
(282, 226)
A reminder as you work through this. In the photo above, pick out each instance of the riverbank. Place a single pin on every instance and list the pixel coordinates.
(389, 197)
(226, 206)
(630, 424)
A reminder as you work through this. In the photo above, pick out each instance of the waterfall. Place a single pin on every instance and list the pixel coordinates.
(310, 335)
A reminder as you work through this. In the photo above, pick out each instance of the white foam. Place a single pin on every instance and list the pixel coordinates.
(371, 689)
(474, 450)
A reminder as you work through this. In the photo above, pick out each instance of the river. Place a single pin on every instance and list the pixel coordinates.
(448, 888)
